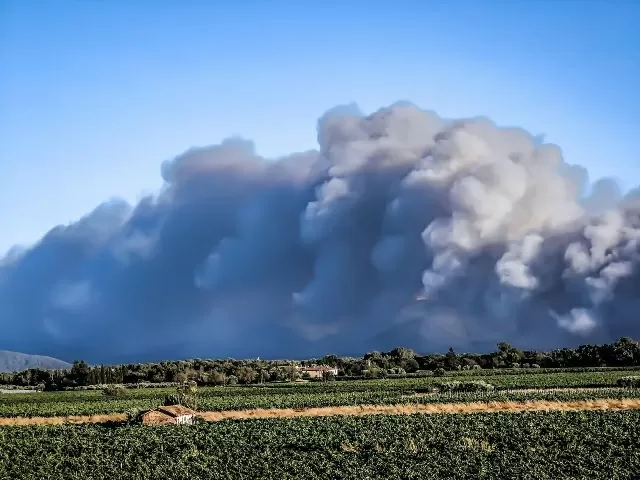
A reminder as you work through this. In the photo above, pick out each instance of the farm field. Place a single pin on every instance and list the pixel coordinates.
(546, 386)
(528, 446)
(541, 425)
(459, 403)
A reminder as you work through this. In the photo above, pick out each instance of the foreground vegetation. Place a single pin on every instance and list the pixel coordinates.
(536, 445)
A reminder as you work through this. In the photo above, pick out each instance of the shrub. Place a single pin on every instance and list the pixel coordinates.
(375, 372)
(629, 382)
(439, 372)
(114, 391)
(134, 415)
(470, 386)
(172, 399)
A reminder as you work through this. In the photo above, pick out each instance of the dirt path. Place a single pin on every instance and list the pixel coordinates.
(114, 417)
(600, 404)
(434, 408)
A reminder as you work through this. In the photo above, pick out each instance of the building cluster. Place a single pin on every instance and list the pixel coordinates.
(317, 371)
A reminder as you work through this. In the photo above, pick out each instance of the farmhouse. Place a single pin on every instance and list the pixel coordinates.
(318, 372)
(172, 414)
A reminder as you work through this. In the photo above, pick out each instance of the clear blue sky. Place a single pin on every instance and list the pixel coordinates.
(95, 94)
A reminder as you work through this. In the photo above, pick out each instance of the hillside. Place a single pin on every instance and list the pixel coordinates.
(15, 362)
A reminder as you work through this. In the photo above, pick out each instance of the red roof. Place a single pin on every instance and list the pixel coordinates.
(176, 410)
(157, 418)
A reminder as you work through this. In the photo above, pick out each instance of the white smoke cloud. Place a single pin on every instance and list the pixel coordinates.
(403, 227)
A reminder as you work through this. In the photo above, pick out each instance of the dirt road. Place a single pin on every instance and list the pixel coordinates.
(433, 408)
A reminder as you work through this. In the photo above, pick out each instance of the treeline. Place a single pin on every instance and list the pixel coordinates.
(398, 362)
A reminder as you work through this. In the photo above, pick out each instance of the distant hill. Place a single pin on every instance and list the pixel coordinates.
(16, 362)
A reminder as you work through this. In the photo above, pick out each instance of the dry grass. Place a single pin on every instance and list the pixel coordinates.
(600, 404)
(359, 410)
(115, 417)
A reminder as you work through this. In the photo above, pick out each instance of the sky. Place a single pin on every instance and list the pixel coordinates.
(94, 95)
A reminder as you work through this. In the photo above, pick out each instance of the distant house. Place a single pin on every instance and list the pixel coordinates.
(169, 415)
(318, 372)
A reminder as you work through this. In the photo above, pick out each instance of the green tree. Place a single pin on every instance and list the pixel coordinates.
(402, 352)
(246, 374)
(180, 377)
(186, 394)
(218, 378)
(451, 360)
(508, 354)
(291, 373)
(80, 372)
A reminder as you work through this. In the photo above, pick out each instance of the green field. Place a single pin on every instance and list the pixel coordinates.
(321, 394)
(532, 445)
(535, 446)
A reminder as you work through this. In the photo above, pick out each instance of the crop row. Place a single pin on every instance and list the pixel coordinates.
(548, 380)
(527, 446)
(538, 371)
(303, 400)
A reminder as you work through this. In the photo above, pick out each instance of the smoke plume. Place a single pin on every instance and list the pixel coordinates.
(404, 228)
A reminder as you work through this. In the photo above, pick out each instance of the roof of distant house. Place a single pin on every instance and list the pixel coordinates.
(156, 417)
(176, 410)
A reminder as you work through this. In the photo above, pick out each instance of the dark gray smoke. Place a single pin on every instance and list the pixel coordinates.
(403, 229)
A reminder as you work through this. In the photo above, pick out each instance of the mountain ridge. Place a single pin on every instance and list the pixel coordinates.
(17, 362)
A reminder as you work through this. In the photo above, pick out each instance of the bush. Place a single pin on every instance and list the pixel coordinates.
(629, 382)
(134, 415)
(172, 399)
(375, 372)
(439, 372)
(114, 391)
(471, 386)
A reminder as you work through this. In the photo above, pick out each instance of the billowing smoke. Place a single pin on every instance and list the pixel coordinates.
(403, 229)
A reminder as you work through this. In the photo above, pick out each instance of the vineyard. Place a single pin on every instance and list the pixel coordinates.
(407, 428)
(304, 400)
(533, 446)
(545, 386)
